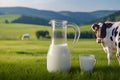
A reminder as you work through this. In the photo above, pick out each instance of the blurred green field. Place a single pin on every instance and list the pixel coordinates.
(14, 31)
(26, 59)
(85, 28)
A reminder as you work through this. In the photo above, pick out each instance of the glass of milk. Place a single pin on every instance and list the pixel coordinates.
(87, 62)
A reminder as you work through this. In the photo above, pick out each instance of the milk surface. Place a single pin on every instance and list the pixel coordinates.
(58, 58)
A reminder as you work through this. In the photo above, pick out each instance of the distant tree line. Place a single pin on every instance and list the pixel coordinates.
(70, 35)
(87, 34)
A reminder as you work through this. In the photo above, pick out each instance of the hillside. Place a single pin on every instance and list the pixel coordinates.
(31, 20)
(113, 17)
(79, 17)
(9, 17)
(34, 13)
(0, 13)
(102, 13)
(17, 18)
(75, 17)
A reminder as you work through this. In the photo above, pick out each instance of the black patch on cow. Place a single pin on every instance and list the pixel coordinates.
(117, 27)
(108, 25)
(103, 31)
(113, 31)
(119, 33)
(111, 38)
(95, 27)
(116, 32)
(119, 44)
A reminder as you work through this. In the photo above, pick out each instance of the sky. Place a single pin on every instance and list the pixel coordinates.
(64, 5)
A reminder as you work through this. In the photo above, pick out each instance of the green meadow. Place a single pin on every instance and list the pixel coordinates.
(26, 59)
(15, 31)
(9, 17)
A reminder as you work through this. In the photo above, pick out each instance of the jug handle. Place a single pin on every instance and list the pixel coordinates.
(77, 33)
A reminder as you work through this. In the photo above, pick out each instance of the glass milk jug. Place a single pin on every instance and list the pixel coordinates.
(58, 57)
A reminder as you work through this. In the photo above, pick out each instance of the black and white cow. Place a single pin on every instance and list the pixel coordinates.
(108, 34)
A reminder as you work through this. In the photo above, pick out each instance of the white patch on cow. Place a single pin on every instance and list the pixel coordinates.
(100, 24)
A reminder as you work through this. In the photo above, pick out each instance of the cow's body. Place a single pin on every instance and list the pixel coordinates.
(108, 34)
(25, 36)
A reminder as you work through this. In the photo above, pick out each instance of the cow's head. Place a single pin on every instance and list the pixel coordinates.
(100, 30)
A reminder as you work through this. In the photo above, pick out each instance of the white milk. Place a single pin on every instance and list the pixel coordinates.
(58, 58)
(87, 62)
